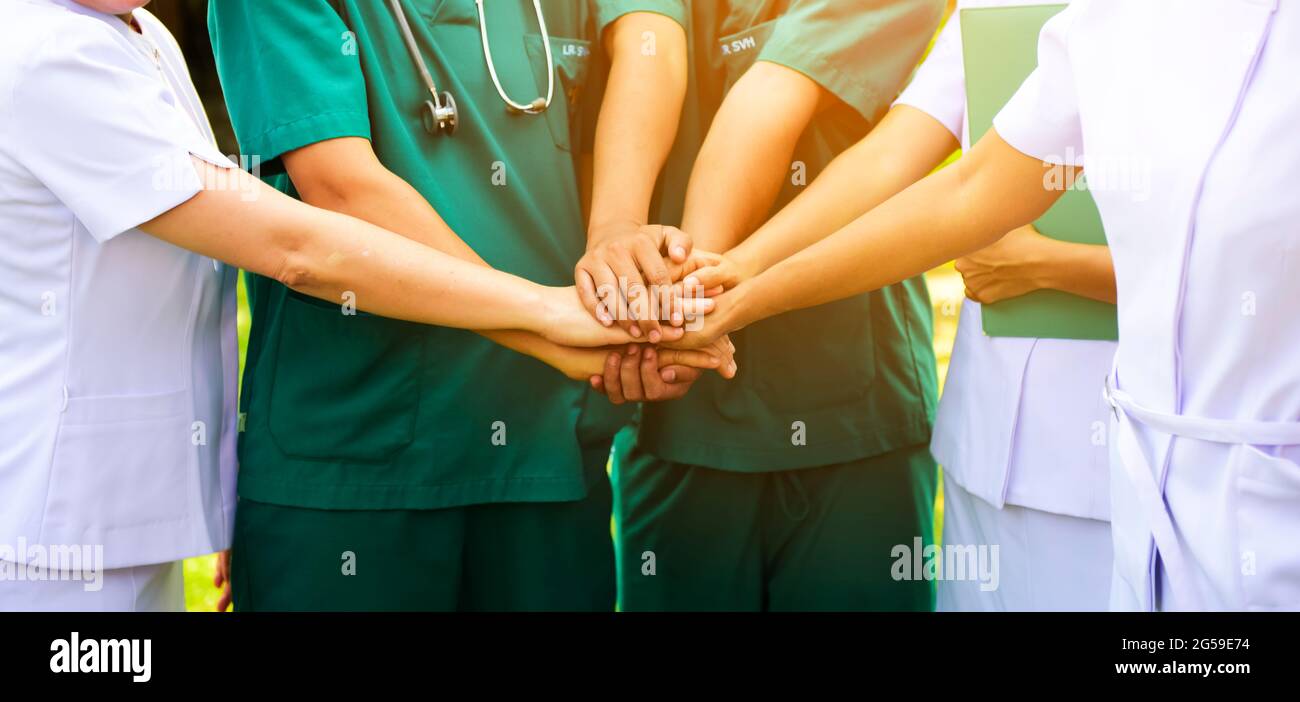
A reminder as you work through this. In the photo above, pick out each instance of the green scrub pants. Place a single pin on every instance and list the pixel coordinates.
(691, 538)
(543, 556)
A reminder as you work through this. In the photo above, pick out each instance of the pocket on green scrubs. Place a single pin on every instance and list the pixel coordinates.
(840, 331)
(358, 374)
(740, 50)
(448, 11)
(573, 65)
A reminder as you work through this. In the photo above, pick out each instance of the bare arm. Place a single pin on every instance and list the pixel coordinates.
(747, 154)
(1024, 261)
(638, 123)
(960, 209)
(638, 118)
(367, 190)
(902, 149)
(325, 254)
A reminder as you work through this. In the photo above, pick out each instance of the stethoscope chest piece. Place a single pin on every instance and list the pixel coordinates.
(442, 116)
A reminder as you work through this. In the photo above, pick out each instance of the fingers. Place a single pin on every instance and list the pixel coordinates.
(678, 244)
(694, 358)
(727, 352)
(630, 374)
(613, 380)
(606, 290)
(708, 278)
(680, 375)
(651, 263)
(587, 293)
(654, 386)
(628, 282)
(693, 308)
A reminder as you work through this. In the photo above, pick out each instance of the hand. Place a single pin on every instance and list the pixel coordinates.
(1009, 268)
(221, 579)
(714, 273)
(567, 322)
(623, 267)
(647, 374)
(728, 314)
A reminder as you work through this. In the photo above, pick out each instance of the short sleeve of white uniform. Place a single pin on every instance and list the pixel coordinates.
(1042, 118)
(939, 86)
(96, 125)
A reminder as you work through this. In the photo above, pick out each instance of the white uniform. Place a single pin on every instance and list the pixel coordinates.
(1021, 427)
(118, 351)
(1206, 388)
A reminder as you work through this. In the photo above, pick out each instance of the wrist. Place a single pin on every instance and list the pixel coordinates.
(543, 312)
(746, 306)
(1046, 263)
(604, 228)
(747, 263)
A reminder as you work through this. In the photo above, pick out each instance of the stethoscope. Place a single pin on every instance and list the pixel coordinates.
(441, 115)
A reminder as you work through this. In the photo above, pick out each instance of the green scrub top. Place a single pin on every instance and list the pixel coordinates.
(361, 412)
(839, 382)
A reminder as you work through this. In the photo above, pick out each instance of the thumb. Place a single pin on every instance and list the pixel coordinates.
(678, 244)
(708, 278)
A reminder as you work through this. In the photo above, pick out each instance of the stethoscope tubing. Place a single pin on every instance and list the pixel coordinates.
(444, 115)
(537, 106)
(413, 49)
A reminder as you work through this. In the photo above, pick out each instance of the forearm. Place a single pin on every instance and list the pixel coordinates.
(902, 149)
(1086, 270)
(337, 258)
(638, 117)
(946, 215)
(385, 200)
(747, 155)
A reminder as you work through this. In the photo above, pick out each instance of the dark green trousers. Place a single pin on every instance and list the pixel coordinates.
(552, 556)
(692, 538)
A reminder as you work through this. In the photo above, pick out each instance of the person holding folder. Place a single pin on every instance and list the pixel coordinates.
(1205, 416)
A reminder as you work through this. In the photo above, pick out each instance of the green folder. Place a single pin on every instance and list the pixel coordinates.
(1000, 50)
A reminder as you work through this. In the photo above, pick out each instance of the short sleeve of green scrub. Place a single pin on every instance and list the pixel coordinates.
(859, 50)
(609, 11)
(307, 85)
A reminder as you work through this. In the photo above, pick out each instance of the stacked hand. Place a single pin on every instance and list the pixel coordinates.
(631, 279)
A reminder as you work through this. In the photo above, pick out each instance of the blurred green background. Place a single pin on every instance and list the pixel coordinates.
(187, 20)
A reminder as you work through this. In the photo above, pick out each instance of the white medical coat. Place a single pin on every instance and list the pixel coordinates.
(117, 350)
(1206, 386)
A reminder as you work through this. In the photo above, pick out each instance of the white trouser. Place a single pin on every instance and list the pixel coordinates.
(149, 588)
(1045, 561)
(1216, 526)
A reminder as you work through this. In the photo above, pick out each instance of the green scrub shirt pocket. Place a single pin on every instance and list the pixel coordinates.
(738, 52)
(345, 387)
(573, 66)
(447, 11)
(837, 335)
